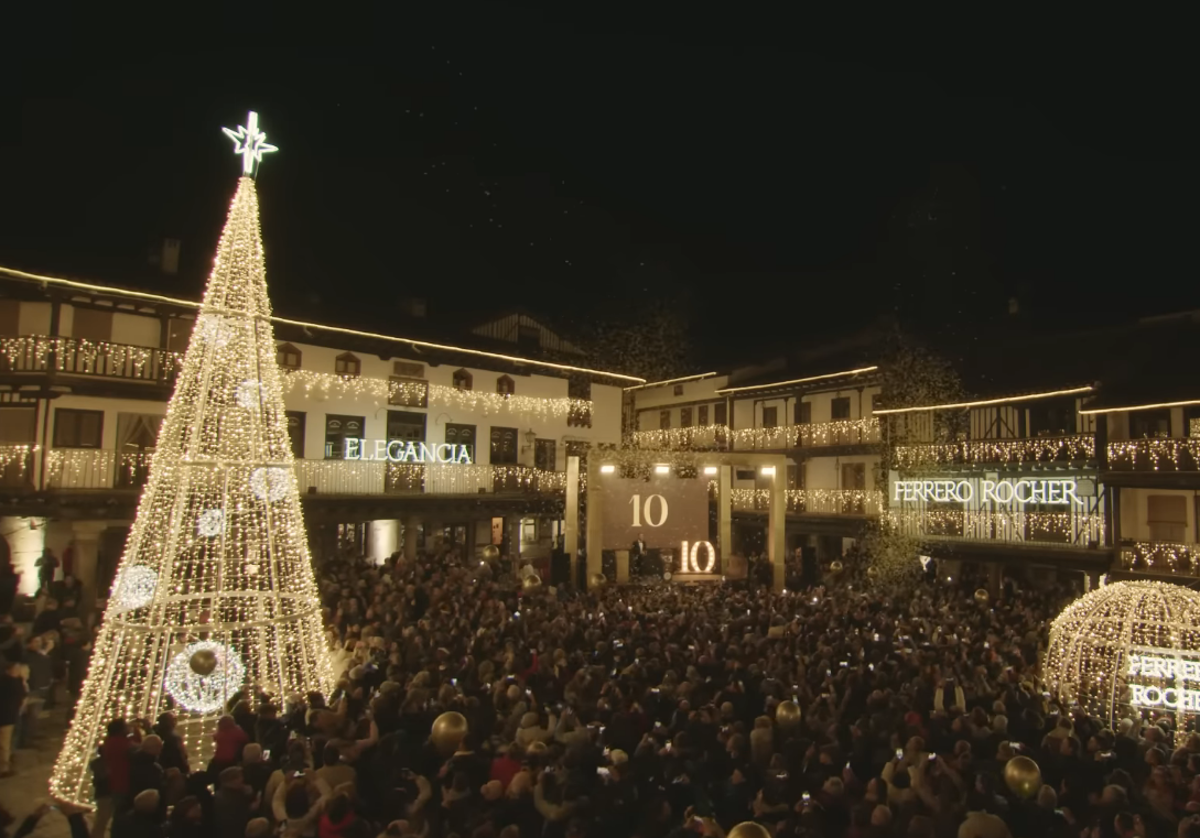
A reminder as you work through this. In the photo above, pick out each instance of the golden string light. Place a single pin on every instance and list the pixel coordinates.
(827, 501)
(1012, 525)
(18, 455)
(1162, 556)
(1037, 449)
(92, 468)
(358, 477)
(1098, 643)
(247, 587)
(327, 385)
(816, 434)
(35, 353)
(1159, 454)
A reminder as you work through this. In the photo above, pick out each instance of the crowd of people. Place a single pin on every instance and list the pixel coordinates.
(655, 711)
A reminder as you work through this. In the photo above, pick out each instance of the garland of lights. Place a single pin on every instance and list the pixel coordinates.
(404, 391)
(1162, 556)
(1003, 525)
(815, 434)
(92, 468)
(1163, 454)
(29, 353)
(355, 477)
(1097, 641)
(829, 501)
(1038, 449)
(219, 526)
(18, 455)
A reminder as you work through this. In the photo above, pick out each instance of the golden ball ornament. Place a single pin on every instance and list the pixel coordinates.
(872, 572)
(531, 581)
(748, 829)
(835, 566)
(449, 730)
(982, 596)
(535, 748)
(787, 715)
(203, 662)
(491, 553)
(1023, 777)
(597, 580)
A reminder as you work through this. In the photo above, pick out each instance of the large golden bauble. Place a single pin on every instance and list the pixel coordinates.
(787, 715)
(449, 730)
(981, 596)
(203, 662)
(531, 581)
(1023, 776)
(835, 566)
(491, 553)
(597, 580)
(872, 572)
(749, 829)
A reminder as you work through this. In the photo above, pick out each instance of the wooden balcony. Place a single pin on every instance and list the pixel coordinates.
(32, 354)
(1068, 529)
(1155, 455)
(812, 501)
(701, 438)
(1159, 557)
(1074, 448)
(849, 432)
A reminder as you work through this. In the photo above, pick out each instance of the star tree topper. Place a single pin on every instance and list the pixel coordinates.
(249, 142)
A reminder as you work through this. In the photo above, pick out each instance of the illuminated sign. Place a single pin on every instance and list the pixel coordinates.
(1174, 698)
(689, 561)
(404, 451)
(1050, 492)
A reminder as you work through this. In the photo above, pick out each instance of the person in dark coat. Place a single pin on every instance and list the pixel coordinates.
(143, 820)
(12, 696)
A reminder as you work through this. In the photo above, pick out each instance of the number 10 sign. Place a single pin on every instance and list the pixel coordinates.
(666, 513)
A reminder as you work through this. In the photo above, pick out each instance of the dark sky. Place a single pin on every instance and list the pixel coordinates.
(750, 171)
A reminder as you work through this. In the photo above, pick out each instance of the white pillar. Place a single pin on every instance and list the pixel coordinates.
(383, 539)
(412, 525)
(777, 528)
(26, 539)
(725, 515)
(571, 521)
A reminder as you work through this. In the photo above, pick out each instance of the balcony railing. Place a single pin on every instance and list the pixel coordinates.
(812, 501)
(77, 356)
(351, 477)
(1157, 454)
(96, 468)
(784, 437)
(1161, 557)
(708, 437)
(16, 465)
(1076, 529)
(1046, 449)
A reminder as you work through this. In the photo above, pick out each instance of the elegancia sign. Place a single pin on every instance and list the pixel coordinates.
(404, 451)
(1050, 492)
(1166, 668)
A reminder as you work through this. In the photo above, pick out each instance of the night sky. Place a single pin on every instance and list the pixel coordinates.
(764, 182)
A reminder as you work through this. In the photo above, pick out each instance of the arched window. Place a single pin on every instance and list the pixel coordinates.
(462, 380)
(288, 356)
(347, 364)
(505, 386)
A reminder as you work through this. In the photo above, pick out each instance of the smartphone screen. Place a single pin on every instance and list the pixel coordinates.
(899, 753)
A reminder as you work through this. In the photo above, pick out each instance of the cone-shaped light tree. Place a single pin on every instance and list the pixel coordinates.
(215, 592)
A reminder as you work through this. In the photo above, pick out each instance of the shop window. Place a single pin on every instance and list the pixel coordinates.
(288, 356)
(463, 380)
(505, 386)
(347, 364)
(78, 428)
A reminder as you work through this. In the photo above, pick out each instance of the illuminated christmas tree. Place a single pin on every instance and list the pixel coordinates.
(215, 592)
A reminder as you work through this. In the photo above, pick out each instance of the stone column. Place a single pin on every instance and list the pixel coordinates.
(87, 547)
(512, 523)
(995, 579)
(595, 524)
(412, 526)
(571, 521)
(383, 538)
(622, 567)
(725, 515)
(777, 528)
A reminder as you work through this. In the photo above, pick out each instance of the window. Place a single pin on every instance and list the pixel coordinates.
(580, 415)
(1052, 418)
(677, 389)
(719, 414)
(702, 416)
(504, 446)
(408, 392)
(78, 428)
(92, 325)
(463, 380)
(18, 426)
(347, 364)
(408, 370)
(770, 417)
(457, 434)
(10, 318)
(545, 455)
(1167, 517)
(407, 426)
(664, 419)
(1149, 424)
(337, 430)
(295, 426)
(685, 417)
(505, 386)
(839, 408)
(803, 412)
(876, 401)
(288, 356)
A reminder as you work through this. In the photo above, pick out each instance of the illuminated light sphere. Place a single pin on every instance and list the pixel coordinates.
(212, 329)
(249, 394)
(1023, 777)
(252, 569)
(204, 693)
(982, 596)
(269, 483)
(211, 523)
(667, 576)
(133, 588)
(1127, 648)
(872, 572)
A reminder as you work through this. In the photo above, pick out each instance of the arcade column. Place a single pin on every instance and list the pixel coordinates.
(412, 527)
(571, 519)
(725, 513)
(777, 526)
(86, 536)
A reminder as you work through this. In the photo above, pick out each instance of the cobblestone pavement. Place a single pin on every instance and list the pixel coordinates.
(23, 793)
